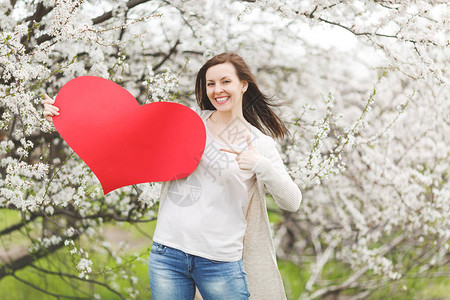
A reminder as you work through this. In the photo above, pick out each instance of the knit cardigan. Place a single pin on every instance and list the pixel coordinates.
(259, 257)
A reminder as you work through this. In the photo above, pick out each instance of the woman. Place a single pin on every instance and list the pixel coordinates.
(213, 231)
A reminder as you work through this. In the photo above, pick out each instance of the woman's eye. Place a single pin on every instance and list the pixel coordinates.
(210, 84)
(226, 81)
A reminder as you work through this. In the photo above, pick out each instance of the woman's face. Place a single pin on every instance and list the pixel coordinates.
(224, 89)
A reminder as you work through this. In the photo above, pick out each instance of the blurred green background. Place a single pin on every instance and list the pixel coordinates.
(137, 239)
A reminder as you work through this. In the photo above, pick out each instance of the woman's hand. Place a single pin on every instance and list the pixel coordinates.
(247, 158)
(49, 109)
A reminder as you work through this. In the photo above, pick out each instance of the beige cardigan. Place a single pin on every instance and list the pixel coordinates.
(259, 254)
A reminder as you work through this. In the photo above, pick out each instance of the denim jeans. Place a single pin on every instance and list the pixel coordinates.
(174, 275)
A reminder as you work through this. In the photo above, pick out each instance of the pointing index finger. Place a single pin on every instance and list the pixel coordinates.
(230, 151)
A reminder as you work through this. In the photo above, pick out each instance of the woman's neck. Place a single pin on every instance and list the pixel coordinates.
(225, 118)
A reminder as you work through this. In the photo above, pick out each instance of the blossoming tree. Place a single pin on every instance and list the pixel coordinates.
(367, 87)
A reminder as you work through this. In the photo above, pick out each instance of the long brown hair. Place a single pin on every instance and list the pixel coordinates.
(255, 105)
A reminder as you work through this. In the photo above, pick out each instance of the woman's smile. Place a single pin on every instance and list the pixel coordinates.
(222, 100)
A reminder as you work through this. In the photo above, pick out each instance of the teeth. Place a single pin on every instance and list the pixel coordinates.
(222, 99)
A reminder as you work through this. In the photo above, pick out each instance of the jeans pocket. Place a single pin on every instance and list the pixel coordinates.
(241, 266)
(157, 248)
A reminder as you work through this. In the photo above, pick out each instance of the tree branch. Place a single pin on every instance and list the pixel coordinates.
(172, 51)
(78, 278)
(370, 33)
(106, 16)
(24, 261)
(104, 216)
(109, 14)
(351, 281)
(17, 226)
(320, 263)
(44, 291)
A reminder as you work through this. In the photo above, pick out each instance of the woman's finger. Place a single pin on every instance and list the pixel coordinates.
(47, 97)
(47, 102)
(48, 117)
(49, 106)
(52, 109)
(229, 150)
(51, 113)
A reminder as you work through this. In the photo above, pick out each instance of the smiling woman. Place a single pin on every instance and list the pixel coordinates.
(213, 233)
(222, 244)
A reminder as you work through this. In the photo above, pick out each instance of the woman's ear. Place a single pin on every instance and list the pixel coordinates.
(244, 86)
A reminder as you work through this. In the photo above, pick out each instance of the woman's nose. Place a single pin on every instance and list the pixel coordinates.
(218, 88)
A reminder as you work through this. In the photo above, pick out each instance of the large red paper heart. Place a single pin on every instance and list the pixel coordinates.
(122, 142)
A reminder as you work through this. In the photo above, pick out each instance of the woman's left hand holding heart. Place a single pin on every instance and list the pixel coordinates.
(247, 158)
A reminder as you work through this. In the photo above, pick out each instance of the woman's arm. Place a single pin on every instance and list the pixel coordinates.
(271, 170)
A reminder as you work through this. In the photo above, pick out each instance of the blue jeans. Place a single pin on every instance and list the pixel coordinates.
(174, 275)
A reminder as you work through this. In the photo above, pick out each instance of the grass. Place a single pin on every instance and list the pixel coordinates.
(8, 217)
(12, 289)
(437, 288)
(293, 276)
(61, 261)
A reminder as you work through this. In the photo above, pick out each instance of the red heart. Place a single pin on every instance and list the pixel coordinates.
(122, 142)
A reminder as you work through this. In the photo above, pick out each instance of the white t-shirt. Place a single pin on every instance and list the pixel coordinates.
(205, 213)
